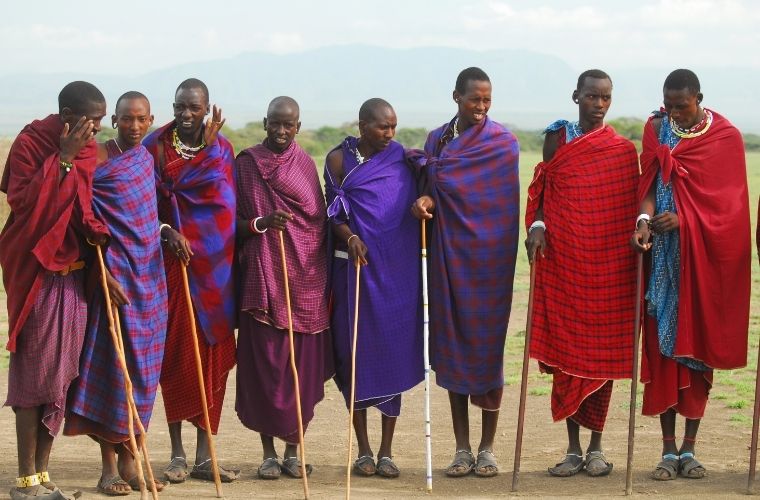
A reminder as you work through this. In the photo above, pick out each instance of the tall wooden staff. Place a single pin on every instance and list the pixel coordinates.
(125, 376)
(201, 382)
(133, 407)
(293, 368)
(524, 382)
(353, 381)
(426, 354)
(634, 378)
(755, 417)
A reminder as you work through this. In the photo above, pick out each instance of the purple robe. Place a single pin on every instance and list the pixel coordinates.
(375, 198)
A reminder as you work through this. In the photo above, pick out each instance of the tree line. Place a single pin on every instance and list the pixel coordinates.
(318, 142)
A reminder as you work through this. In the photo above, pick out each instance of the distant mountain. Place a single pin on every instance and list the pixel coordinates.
(530, 88)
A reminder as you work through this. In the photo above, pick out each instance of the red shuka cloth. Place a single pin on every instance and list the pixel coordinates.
(48, 218)
(584, 298)
(709, 180)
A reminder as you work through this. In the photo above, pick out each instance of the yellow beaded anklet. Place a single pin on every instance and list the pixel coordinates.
(28, 481)
(44, 477)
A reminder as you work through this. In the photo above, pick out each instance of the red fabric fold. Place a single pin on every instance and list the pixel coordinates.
(709, 179)
(48, 218)
(583, 309)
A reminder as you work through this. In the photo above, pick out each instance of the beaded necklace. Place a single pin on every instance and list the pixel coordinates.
(185, 151)
(695, 131)
(116, 141)
(455, 128)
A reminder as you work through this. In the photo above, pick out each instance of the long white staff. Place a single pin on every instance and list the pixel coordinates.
(426, 354)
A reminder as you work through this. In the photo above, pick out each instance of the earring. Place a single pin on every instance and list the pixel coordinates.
(456, 101)
(113, 125)
(576, 101)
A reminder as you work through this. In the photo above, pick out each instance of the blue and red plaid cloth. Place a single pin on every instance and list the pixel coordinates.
(474, 182)
(202, 202)
(124, 198)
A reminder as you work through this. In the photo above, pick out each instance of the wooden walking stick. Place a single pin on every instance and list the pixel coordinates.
(634, 377)
(293, 368)
(353, 381)
(201, 382)
(133, 409)
(426, 355)
(524, 382)
(755, 417)
(125, 376)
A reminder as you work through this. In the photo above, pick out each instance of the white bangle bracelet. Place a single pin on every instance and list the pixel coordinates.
(642, 217)
(161, 230)
(255, 227)
(538, 223)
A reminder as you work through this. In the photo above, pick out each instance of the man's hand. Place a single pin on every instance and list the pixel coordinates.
(213, 125)
(423, 207)
(665, 222)
(536, 241)
(115, 291)
(641, 239)
(276, 220)
(177, 244)
(72, 141)
(357, 250)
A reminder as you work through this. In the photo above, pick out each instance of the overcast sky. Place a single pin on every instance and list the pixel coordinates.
(136, 36)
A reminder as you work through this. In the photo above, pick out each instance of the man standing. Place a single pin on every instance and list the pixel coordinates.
(584, 294)
(48, 180)
(124, 197)
(278, 188)
(196, 202)
(473, 198)
(369, 188)
(697, 296)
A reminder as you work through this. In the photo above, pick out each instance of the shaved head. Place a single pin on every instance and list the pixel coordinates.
(79, 96)
(128, 96)
(372, 107)
(283, 103)
(193, 84)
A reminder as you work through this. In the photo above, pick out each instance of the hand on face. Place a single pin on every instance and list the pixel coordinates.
(72, 141)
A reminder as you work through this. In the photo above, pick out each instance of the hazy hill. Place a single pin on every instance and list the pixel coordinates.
(530, 89)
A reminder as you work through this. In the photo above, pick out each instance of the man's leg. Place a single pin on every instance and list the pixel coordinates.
(28, 421)
(464, 461)
(689, 466)
(573, 461)
(486, 465)
(386, 443)
(365, 466)
(176, 471)
(270, 467)
(110, 482)
(203, 461)
(665, 469)
(385, 465)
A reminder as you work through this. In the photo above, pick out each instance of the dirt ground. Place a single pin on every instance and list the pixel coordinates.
(723, 448)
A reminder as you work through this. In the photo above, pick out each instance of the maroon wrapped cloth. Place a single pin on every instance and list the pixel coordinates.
(48, 217)
(288, 181)
(266, 400)
(46, 359)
